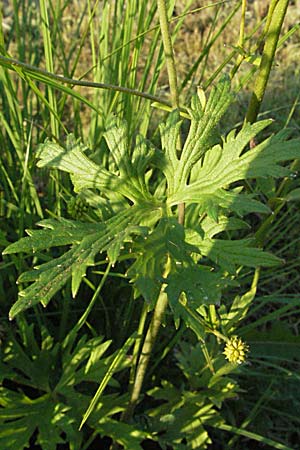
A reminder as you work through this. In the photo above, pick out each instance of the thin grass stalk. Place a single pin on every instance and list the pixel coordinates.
(241, 41)
(58, 81)
(206, 44)
(49, 63)
(82, 320)
(173, 19)
(53, 110)
(209, 45)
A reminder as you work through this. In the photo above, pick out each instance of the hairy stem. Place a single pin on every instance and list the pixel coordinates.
(162, 300)
(275, 19)
(137, 347)
(172, 75)
(148, 345)
(45, 76)
(168, 50)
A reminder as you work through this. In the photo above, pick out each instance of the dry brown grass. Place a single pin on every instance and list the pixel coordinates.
(196, 32)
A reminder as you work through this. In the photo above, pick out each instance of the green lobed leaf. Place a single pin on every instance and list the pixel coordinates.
(51, 276)
(168, 162)
(229, 253)
(131, 164)
(224, 165)
(212, 228)
(293, 195)
(181, 416)
(86, 174)
(166, 240)
(202, 128)
(200, 285)
(114, 367)
(127, 435)
(20, 417)
(54, 415)
(55, 233)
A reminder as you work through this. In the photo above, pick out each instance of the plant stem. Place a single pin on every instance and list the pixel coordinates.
(49, 63)
(162, 300)
(148, 345)
(172, 75)
(137, 346)
(168, 50)
(45, 77)
(275, 19)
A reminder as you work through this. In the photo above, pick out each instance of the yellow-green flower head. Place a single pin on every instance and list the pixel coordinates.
(235, 350)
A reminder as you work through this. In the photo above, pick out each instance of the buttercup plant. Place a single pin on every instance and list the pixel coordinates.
(167, 260)
(173, 218)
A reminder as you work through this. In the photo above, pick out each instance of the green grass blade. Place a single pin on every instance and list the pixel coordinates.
(254, 436)
(117, 361)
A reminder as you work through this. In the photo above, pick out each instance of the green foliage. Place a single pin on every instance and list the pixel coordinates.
(179, 215)
(185, 411)
(142, 229)
(209, 181)
(54, 379)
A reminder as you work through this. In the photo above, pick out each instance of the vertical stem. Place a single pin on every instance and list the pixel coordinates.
(275, 19)
(162, 300)
(242, 26)
(172, 75)
(137, 346)
(150, 339)
(168, 50)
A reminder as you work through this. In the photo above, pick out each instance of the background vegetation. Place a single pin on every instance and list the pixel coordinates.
(67, 375)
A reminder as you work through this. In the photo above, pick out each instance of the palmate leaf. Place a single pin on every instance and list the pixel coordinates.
(203, 123)
(167, 160)
(229, 253)
(166, 241)
(20, 416)
(212, 228)
(54, 415)
(72, 159)
(55, 233)
(131, 167)
(129, 181)
(234, 200)
(180, 417)
(226, 164)
(202, 128)
(125, 434)
(200, 285)
(50, 277)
